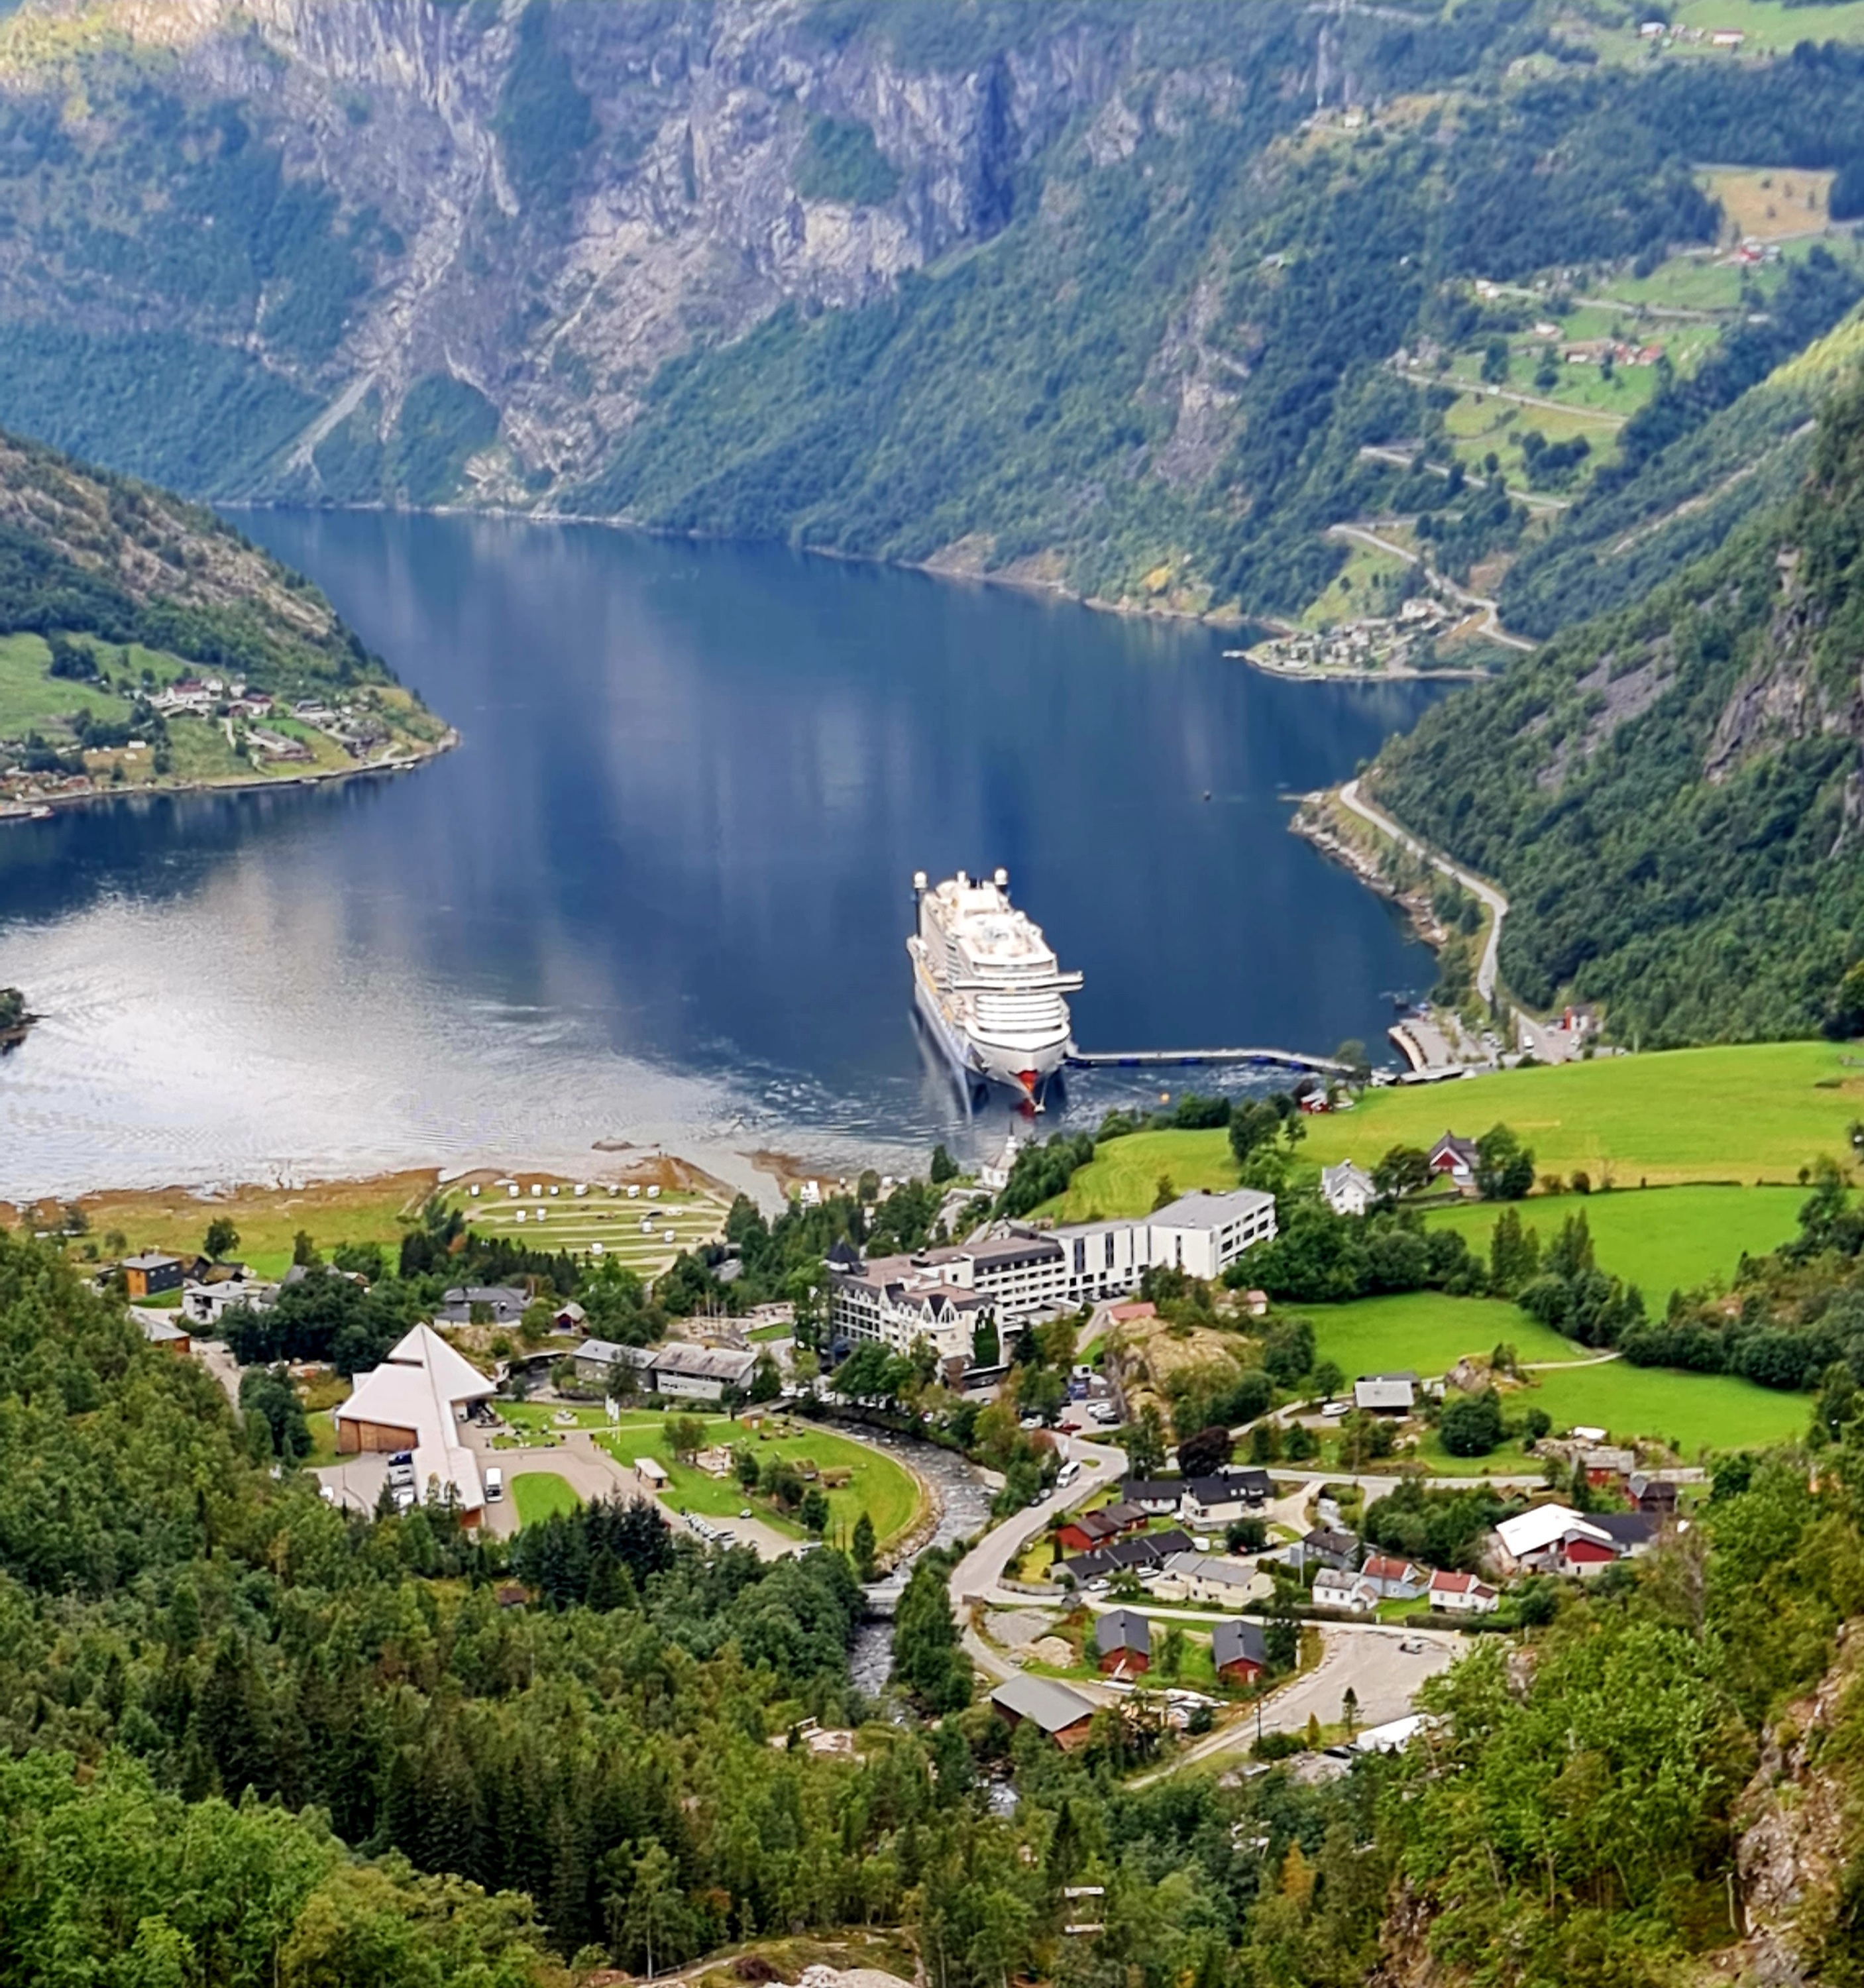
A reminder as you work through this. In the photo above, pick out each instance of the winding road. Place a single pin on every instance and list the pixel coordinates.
(1498, 904)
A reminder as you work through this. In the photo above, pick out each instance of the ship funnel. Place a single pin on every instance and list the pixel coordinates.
(1001, 879)
(918, 880)
(964, 880)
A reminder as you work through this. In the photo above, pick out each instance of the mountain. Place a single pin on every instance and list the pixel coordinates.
(1672, 794)
(112, 592)
(1116, 294)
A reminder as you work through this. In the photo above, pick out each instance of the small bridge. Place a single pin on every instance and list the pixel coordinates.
(1157, 1059)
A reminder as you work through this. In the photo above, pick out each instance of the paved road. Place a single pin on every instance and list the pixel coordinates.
(1600, 414)
(1498, 905)
(1382, 1676)
(1490, 611)
(1535, 499)
(980, 1574)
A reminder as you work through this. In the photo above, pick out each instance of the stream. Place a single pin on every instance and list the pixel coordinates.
(966, 1500)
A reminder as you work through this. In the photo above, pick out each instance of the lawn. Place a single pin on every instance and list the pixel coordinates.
(1352, 590)
(1765, 203)
(1425, 1330)
(29, 697)
(888, 1493)
(1692, 1411)
(603, 1218)
(1122, 1178)
(538, 1494)
(1674, 1238)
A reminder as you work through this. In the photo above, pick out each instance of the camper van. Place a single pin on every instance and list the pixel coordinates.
(494, 1484)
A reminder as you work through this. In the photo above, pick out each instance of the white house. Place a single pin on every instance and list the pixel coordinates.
(1344, 1592)
(1552, 1539)
(1394, 1579)
(1203, 1234)
(1386, 1394)
(1462, 1595)
(1347, 1189)
(1195, 1576)
(205, 1304)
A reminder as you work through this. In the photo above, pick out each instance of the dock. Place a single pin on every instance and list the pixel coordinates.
(1156, 1059)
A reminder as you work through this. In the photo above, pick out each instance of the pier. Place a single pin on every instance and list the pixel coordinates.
(1155, 1059)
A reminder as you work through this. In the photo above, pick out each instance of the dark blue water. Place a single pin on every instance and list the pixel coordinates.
(661, 891)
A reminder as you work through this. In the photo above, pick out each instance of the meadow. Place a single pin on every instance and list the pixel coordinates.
(888, 1493)
(1660, 1239)
(1427, 1330)
(1691, 1411)
(1748, 1112)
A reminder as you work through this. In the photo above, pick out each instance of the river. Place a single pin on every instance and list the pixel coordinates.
(660, 893)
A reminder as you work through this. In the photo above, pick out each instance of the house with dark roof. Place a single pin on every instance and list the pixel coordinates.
(1454, 1160)
(1137, 1555)
(1239, 1652)
(1123, 1642)
(1083, 1532)
(1328, 1547)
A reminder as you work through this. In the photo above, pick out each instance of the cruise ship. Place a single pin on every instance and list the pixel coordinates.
(986, 984)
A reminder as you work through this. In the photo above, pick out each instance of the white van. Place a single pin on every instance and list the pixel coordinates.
(1067, 1474)
(494, 1484)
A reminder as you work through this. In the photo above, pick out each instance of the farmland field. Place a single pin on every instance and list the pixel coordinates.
(1692, 1411)
(1753, 1111)
(1678, 1238)
(1425, 1330)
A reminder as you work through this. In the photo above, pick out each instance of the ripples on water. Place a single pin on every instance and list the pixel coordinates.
(660, 893)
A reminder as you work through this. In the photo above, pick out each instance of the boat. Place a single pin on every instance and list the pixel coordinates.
(987, 986)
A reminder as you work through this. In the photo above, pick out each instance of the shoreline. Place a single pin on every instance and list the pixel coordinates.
(49, 804)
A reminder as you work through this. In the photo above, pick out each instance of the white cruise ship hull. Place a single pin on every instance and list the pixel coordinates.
(1020, 1068)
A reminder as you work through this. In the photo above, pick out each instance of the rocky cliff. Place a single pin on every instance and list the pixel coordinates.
(538, 205)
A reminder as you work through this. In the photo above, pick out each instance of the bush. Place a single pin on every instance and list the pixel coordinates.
(1471, 1426)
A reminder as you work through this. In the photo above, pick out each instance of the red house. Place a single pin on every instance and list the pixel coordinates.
(1238, 1652)
(1124, 1639)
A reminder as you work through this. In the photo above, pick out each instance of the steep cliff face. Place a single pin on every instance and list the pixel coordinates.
(541, 204)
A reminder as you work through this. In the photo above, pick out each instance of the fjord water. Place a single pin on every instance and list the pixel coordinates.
(660, 892)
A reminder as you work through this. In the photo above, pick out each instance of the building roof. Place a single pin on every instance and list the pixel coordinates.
(1342, 1580)
(1460, 1149)
(419, 1387)
(1213, 1567)
(491, 1294)
(1382, 1567)
(1443, 1582)
(1346, 1175)
(1123, 1629)
(1210, 1211)
(1328, 1539)
(1152, 1490)
(1050, 1706)
(1094, 1525)
(1238, 1642)
(1543, 1526)
(159, 1332)
(152, 1259)
(1625, 1528)
(1385, 1391)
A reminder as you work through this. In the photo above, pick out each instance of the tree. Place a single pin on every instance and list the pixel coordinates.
(304, 1251)
(927, 1658)
(1172, 1651)
(1145, 1443)
(685, 1436)
(1504, 1167)
(1253, 1127)
(944, 1168)
(863, 1547)
(221, 1240)
(985, 1349)
(1495, 362)
(766, 1382)
(744, 1466)
(814, 1510)
(1514, 1254)
(1164, 1194)
(1404, 1170)
(1328, 1380)
(1472, 1425)
(1349, 1709)
(1205, 1453)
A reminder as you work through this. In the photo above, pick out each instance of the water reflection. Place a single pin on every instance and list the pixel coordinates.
(660, 891)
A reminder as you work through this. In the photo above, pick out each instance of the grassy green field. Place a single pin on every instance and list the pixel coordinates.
(565, 1220)
(1427, 1330)
(1692, 1411)
(539, 1494)
(1672, 1239)
(29, 696)
(878, 1485)
(1753, 1111)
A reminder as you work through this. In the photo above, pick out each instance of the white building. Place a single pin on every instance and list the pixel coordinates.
(1345, 1592)
(1195, 1576)
(1462, 1595)
(1347, 1189)
(1386, 1394)
(897, 1302)
(1203, 1234)
(1029, 1271)
(205, 1304)
(416, 1401)
(676, 1371)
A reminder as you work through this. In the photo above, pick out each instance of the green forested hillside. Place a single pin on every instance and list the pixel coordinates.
(252, 1743)
(1671, 794)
